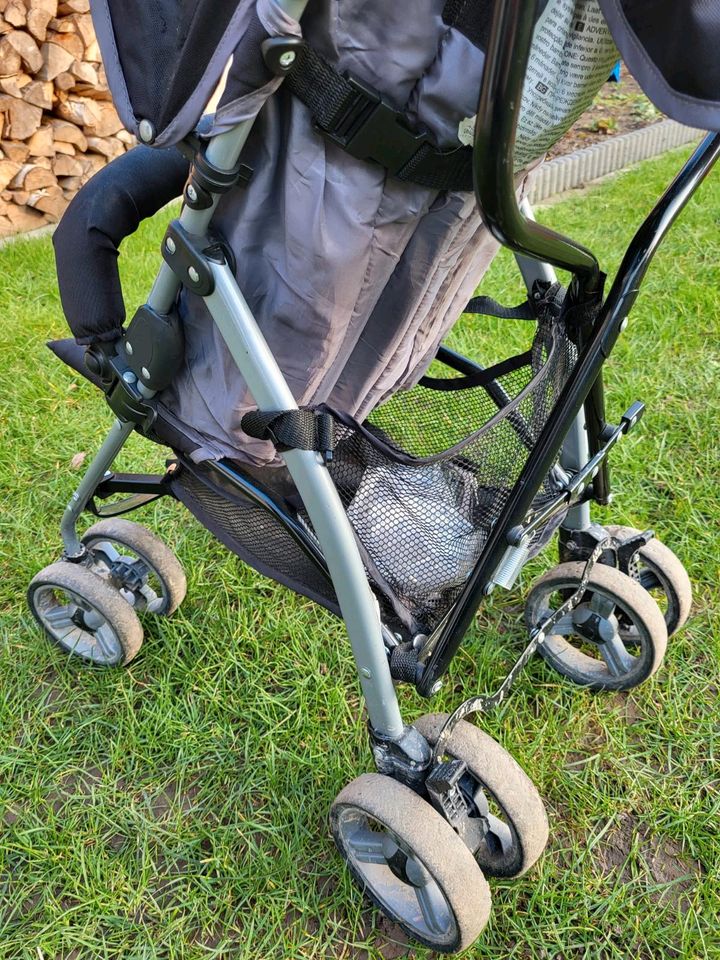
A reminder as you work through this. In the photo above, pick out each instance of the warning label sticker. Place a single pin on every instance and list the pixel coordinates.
(571, 57)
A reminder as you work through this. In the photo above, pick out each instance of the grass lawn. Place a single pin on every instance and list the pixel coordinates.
(178, 808)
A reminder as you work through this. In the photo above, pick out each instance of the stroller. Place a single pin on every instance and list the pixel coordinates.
(319, 427)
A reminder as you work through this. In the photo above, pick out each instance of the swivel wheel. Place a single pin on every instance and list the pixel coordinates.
(145, 571)
(84, 614)
(410, 862)
(613, 640)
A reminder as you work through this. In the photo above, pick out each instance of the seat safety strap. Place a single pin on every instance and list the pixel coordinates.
(545, 301)
(357, 119)
(487, 307)
(301, 429)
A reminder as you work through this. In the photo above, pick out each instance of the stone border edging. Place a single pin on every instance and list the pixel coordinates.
(591, 163)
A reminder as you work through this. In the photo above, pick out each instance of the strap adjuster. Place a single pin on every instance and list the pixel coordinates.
(371, 129)
(299, 429)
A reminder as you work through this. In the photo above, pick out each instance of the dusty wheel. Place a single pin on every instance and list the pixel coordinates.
(661, 573)
(501, 791)
(84, 614)
(614, 640)
(410, 862)
(145, 571)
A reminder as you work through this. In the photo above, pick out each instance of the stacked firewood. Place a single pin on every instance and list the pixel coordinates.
(57, 123)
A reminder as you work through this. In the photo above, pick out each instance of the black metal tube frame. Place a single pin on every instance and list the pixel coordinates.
(505, 69)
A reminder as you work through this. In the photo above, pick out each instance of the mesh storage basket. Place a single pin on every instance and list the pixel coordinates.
(423, 480)
(249, 530)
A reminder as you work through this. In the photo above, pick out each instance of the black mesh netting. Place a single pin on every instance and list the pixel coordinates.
(422, 484)
(250, 531)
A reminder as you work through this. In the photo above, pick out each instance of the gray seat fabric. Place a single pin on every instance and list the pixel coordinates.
(354, 277)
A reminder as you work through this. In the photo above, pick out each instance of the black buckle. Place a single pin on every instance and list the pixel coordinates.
(373, 130)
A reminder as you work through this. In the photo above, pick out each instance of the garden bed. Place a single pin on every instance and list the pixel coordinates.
(618, 108)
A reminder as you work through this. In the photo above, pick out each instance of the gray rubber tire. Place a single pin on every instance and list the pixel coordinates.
(151, 550)
(509, 786)
(112, 642)
(433, 843)
(663, 570)
(637, 607)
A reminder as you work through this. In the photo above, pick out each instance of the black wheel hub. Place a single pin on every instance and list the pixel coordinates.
(591, 626)
(78, 618)
(398, 865)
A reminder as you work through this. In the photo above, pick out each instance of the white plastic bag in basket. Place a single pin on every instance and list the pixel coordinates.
(408, 521)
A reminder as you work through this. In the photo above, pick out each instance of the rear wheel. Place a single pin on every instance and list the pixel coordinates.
(410, 862)
(613, 640)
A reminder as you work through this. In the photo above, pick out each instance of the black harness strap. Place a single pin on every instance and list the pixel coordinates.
(357, 119)
(544, 303)
(480, 379)
(487, 307)
(301, 429)
(546, 300)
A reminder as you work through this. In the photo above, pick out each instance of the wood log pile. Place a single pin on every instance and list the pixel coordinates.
(57, 123)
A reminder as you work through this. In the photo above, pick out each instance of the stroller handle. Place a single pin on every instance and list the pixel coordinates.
(495, 129)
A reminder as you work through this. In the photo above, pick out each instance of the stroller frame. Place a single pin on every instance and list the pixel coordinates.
(577, 425)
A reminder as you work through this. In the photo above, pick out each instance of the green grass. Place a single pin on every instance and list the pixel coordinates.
(177, 809)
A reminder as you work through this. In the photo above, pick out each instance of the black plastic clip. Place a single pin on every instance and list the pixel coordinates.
(281, 53)
(371, 129)
(188, 256)
(207, 181)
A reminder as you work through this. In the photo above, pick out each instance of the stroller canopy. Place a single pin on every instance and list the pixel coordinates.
(164, 58)
(671, 49)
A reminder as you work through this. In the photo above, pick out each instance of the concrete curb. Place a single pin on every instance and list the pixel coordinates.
(583, 166)
(45, 231)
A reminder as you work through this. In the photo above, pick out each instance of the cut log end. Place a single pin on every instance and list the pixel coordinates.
(58, 126)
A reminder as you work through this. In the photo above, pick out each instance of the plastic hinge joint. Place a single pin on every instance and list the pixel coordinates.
(188, 257)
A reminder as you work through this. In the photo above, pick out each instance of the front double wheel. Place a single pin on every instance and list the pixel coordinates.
(410, 862)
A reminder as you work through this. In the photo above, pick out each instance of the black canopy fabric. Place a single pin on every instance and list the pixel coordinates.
(164, 47)
(671, 49)
(164, 58)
